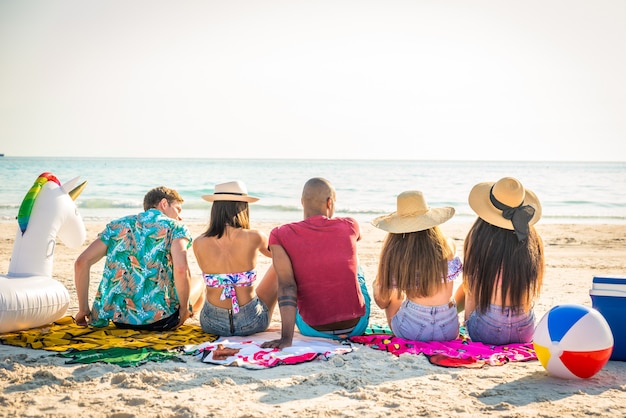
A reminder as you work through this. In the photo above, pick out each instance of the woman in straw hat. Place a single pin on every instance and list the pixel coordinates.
(503, 263)
(227, 254)
(416, 271)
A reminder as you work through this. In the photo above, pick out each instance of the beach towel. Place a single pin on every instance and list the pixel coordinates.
(246, 352)
(461, 352)
(65, 336)
(123, 357)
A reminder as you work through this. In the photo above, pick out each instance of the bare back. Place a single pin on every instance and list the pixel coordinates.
(496, 297)
(445, 292)
(236, 251)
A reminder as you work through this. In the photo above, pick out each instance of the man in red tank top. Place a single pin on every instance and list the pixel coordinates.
(320, 286)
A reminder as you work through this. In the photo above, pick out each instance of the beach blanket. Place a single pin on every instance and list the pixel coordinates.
(138, 346)
(123, 357)
(247, 352)
(461, 352)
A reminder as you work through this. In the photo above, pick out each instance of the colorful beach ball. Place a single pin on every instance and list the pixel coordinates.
(573, 341)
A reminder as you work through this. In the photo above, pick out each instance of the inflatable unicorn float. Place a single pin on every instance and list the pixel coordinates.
(29, 296)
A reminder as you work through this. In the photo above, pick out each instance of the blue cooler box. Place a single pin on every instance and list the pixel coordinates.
(608, 296)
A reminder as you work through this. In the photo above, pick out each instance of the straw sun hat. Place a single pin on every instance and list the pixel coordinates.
(233, 191)
(492, 200)
(413, 215)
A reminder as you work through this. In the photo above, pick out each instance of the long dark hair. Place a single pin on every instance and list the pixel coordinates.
(493, 254)
(225, 212)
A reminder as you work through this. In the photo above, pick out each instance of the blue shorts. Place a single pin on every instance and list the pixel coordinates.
(499, 327)
(252, 317)
(426, 323)
(359, 328)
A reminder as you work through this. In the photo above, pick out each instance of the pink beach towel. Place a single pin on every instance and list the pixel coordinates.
(456, 353)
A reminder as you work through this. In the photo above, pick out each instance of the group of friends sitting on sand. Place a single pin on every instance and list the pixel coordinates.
(315, 276)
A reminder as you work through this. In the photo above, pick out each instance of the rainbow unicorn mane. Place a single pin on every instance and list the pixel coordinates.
(23, 215)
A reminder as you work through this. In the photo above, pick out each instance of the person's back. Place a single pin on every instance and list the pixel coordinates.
(145, 282)
(416, 271)
(324, 260)
(321, 287)
(227, 254)
(503, 263)
(137, 263)
(235, 251)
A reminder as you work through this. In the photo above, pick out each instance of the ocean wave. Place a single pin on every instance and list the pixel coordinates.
(108, 204)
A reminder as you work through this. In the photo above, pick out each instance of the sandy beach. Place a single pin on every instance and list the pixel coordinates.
(365, 382)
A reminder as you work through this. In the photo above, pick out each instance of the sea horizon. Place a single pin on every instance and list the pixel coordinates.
(570, 191)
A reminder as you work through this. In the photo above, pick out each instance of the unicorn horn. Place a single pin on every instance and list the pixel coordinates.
(76, 191)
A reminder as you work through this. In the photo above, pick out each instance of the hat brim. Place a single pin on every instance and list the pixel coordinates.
(481, 204)
(397, 224)
(225, 197)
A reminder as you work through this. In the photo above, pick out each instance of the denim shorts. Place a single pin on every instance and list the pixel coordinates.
(426, 323)
(252, 317)
(498, 327)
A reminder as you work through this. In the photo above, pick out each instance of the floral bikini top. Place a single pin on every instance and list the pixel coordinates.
(228, 282)
(455, 267)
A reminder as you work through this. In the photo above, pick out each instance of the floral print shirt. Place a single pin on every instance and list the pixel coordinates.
(137, 284)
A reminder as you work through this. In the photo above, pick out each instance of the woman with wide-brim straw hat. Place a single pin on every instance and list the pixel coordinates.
(503, 263)
(416, 270)
(227, 255)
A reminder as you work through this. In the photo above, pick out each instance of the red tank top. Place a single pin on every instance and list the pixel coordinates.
(324, 261)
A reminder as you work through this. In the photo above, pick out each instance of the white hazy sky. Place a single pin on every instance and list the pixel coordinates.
(438, 79)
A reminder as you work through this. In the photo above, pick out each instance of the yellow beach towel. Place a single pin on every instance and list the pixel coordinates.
(64, 334)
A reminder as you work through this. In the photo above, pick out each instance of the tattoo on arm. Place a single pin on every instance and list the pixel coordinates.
(287, 301)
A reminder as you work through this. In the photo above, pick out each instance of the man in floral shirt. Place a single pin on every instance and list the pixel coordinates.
(146, 282)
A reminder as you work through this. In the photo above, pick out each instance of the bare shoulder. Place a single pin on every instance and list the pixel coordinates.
(452, 245)
(255, 233)
(200, 240)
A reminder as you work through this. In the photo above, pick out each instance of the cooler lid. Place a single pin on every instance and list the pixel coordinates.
(610, 280)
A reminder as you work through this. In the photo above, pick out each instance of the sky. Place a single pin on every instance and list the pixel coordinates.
(358, 79)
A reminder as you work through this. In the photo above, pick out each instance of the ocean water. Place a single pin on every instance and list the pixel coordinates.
(570, 192)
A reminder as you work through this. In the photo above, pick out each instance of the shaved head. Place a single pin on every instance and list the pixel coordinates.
(315, 197)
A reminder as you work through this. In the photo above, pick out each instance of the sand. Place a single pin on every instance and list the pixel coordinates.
(365, 382)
